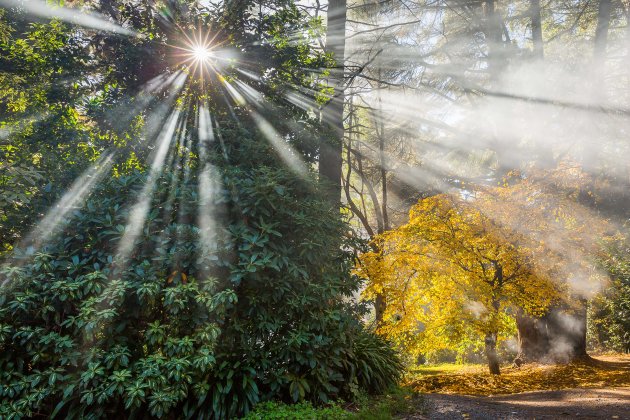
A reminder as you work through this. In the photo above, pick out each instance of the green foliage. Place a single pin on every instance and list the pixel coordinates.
(82, 336)
(397, 402)
(609, 313)
(378, 365)
(278, 411)
(198, 321)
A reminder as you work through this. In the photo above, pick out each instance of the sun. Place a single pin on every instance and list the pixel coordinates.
(197, 51)
(201, 53)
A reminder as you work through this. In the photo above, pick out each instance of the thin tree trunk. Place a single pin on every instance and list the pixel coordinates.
(537, 38)
(601, 32)
(496, 61)
(330, 158)
(383, 164)
(491, 353)
(494, 35)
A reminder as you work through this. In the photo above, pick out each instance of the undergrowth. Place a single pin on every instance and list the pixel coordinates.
(397, 402)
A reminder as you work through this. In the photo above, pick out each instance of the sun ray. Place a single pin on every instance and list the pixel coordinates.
(73, 16)
(138, 213)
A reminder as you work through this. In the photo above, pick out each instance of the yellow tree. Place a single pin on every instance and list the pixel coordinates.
(554, 216)
(452, 274)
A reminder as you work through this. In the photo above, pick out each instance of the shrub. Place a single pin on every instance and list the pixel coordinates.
(278, 411)
(378, 365)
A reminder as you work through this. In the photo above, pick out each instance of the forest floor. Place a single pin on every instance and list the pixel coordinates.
(598, 388)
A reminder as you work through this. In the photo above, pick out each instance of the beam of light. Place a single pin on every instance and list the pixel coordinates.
(156, 118)
(71, 200)
(249, 74)
(77, 17)
(174, 172)
(301, 101)
(149, 93)
(284, 150)
(20, 125)
(252, 94)
(139, 211)
(209, 189)
(58, 215)
(234, 94)
(288, 155)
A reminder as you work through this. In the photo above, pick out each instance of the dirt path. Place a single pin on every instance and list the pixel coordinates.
(593, 403)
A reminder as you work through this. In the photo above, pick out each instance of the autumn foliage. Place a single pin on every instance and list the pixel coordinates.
(457, 273)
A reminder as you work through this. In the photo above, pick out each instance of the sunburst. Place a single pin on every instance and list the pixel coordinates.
(198, 53)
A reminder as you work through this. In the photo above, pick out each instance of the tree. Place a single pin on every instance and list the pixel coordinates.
(186, 280)
(537, 37)
(551, 210)
(610, 311)
(452, 269)
(330, 152)
(601, 31)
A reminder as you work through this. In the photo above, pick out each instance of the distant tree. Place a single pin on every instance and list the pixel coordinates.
(609, 313)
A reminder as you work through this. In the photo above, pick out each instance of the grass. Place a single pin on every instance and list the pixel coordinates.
(397, 402)
(445, 369)
(474, 380)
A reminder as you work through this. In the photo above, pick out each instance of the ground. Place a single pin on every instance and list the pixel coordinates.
(597, 388)
(590, 403)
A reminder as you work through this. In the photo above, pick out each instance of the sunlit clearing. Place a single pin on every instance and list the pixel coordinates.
(78, 17)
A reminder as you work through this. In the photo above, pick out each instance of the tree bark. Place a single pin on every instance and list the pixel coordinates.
(559, 336)
(533, 342)
(601, 31)
(537, 39)
(493, 30)
(494, 39)
(491, 353)
(380, 305)
(330, 159)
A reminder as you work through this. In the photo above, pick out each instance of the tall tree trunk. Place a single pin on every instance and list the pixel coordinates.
(601, 31)
(559, 336)
(383, 165)
(330, 159)
(578, 334)
(533, 344)
(496, 60)
(537, 38)
(491, 353)
(494, 39)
